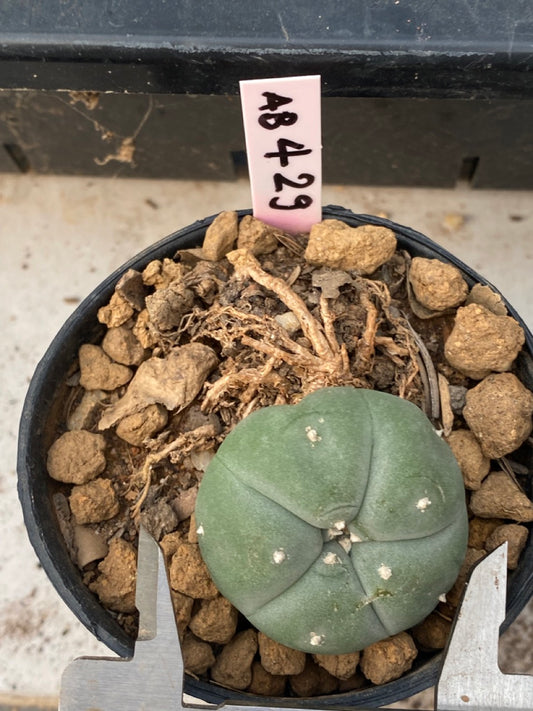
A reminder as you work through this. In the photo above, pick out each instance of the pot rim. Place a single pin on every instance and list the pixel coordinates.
(35, 492)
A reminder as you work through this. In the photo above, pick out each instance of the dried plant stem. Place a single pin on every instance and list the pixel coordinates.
(261, 375)
(288, 241)
(246, 265)
(186, 441)
(425, 385)
(394, 351)
(268, 326)
(224, 384)
(273, 351)
(245, 382)
(366, 345)
(446, 412)
(328, 320)
(431, 373)
(507, 468)
(407, 378)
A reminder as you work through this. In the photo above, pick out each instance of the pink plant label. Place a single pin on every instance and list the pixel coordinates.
(284, 147)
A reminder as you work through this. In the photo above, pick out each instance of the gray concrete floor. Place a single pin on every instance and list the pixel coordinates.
(61, 236)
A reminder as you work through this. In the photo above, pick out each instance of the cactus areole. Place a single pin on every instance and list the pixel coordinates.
(335, 522)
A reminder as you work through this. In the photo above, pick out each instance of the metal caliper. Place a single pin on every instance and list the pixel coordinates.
(470, 677)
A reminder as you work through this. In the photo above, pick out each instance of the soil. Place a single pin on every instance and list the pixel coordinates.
(256, 318)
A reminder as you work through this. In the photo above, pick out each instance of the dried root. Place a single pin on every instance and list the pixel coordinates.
(262, 363)
(246, 265)
(186, 443)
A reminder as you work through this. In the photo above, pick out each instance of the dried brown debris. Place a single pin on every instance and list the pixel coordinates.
(482, 342)
(314, 680)
(161, 273)
(167, 306)
(484, 296)
(117, 312)
(130, 287)
(172, 381)
(265, 684)
(473, 556)
(198, 656)
(500, 497)
(474, 464)
(433, 632)
(341, 666)
(121, 345)
(115, 586)
(333, 243)
(436, 285)
(142, 425)
(183, 605)
(276, 658)
(480, 529)
(89, 544)
(94, 501)
(220, 236)
(77, 457)
(98, 371)
(516, 537)
(189, 574)
(498, 411)
(256, 237)
(215, 621)
(387, 660)
(233, 666)
(159, 518)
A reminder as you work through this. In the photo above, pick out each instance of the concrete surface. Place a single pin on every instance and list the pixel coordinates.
(60, 237)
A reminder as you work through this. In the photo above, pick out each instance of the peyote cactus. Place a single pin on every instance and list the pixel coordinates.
(336, 522)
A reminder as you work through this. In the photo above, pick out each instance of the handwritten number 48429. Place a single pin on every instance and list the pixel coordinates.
(272, 120)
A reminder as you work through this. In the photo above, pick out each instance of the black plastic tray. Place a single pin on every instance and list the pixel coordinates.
(387, 48)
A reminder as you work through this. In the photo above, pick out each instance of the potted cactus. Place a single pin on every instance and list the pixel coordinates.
(250, 371)
(336, 522)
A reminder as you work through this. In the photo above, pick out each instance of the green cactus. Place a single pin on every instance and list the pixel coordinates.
(336, 522)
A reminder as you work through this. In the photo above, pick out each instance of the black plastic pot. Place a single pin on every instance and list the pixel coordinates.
(37, 429)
